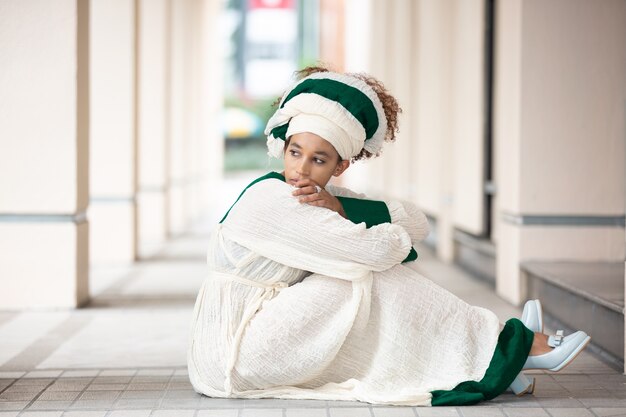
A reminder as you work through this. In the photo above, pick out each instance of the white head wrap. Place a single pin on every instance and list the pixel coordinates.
(341, 109)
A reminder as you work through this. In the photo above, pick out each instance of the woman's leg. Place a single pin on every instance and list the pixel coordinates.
(540, 345)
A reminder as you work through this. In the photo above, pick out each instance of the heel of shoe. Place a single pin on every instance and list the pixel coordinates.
(522, 384)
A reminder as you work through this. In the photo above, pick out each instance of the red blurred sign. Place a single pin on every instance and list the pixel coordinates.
(271, 4)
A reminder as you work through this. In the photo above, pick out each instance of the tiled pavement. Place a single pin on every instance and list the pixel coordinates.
(124, 355)
(167, 392)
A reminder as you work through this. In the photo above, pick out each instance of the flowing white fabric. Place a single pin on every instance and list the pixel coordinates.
(301, 303)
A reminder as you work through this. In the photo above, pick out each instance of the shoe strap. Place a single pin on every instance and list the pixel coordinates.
(556, 340)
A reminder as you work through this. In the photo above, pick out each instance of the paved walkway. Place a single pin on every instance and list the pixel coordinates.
(124, 355)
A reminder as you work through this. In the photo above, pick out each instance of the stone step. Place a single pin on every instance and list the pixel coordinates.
(476, 255)
(583, 295)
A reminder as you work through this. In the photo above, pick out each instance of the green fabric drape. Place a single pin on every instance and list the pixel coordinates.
(371, 212)
(511, 352)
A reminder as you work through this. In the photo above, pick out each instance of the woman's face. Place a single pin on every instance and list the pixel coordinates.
(308, 156)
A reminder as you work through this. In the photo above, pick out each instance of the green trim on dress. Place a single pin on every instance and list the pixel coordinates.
(371, 212)
(267, 176)
(511, 352)
(358, 210)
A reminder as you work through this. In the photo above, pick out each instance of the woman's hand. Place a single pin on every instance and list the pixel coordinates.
(307, 192)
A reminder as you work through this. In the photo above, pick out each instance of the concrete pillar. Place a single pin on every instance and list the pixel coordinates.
(466, 159)
(208, 155)
(398, 78)
(44, 137)
(559, 134)
(112, 212)
(388, 53)
(153, 123)
(386, 26)
(378, 66)
(180, 96)
(179, 146)
(332, 33)
(392, 60)
(359, 49)
(186, 114)
(434, 163)
(430, 53)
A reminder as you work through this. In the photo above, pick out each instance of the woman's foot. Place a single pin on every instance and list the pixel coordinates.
(553, 353)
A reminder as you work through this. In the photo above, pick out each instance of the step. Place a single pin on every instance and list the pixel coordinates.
(476, 255)
(583, 295)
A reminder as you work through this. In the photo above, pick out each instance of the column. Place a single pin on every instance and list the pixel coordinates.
(112, 212)
(433, 158)
(209, 154)
(44, 137)
(179, 146)
(153, 124)
(399, 80)
(186, 134)
(375, 169)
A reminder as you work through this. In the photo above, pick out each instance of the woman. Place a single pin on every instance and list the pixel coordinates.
(307, 295)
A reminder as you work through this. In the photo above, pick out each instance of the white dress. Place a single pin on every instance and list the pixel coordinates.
(301, 303)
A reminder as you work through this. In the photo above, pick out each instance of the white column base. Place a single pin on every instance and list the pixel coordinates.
(43, 265)
(112, 237)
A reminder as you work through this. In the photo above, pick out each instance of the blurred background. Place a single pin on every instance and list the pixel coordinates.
(127, 126)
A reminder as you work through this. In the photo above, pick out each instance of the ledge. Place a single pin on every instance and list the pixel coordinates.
(600, 282)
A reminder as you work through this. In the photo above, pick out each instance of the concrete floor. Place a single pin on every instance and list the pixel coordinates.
(124, 355)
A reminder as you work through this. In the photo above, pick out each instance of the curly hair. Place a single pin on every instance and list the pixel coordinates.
(389, 102)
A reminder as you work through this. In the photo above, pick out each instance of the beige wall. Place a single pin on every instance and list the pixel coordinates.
(429, 53)
(573, 94)
(44, 136)
(559, 132)
(558, 123)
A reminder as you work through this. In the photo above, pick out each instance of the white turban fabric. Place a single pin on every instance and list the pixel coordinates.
(341, 109)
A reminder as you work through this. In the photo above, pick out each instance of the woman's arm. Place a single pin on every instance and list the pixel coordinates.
(270, 221)
(403, 213)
